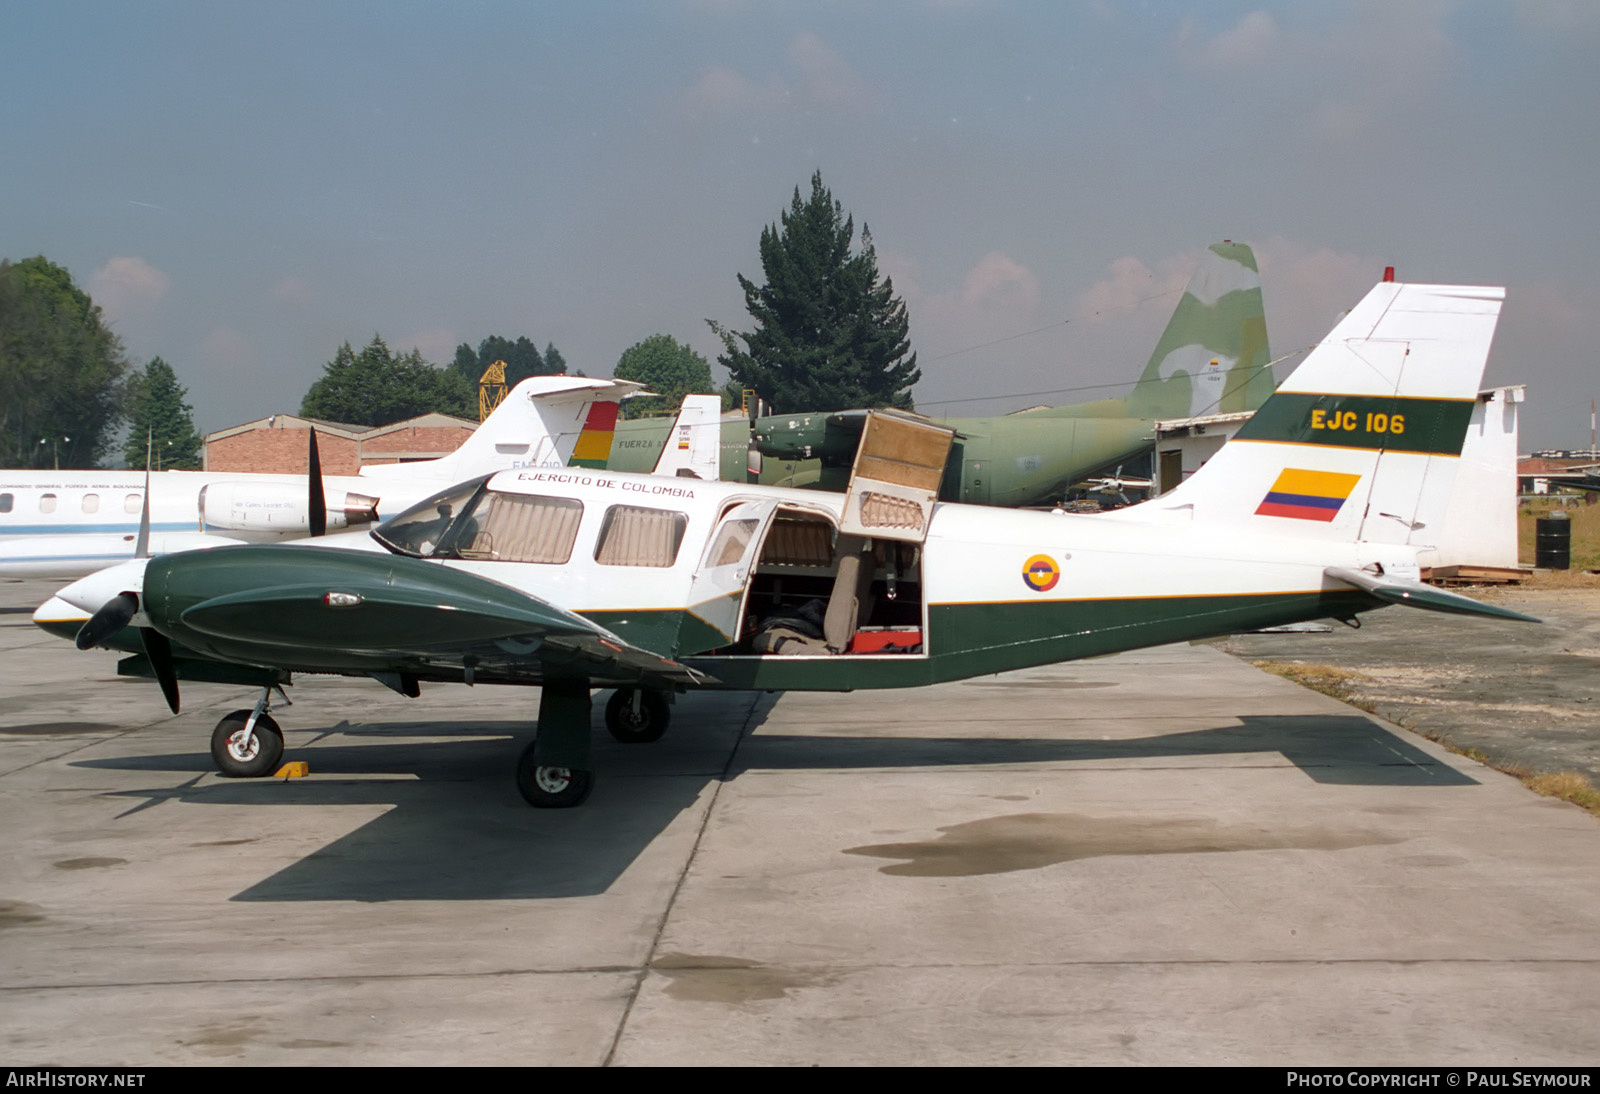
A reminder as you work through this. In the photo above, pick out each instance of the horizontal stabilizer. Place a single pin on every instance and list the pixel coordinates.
(1415, 594)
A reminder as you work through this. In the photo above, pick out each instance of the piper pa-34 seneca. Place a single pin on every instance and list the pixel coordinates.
(576, 579)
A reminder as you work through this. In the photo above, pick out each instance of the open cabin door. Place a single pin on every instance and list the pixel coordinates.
(896, 477)
(716, 592)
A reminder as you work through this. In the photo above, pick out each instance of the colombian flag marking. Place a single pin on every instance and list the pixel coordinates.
(1307, 495)
(1041, 573)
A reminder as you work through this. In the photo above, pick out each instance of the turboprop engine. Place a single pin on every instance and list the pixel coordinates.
(278, 507)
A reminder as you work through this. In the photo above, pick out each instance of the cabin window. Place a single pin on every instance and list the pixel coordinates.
(633, 536)
(517, 528)
(91, 503)
(731, 542)
(131, 503)
(5, 503)
(47, 503)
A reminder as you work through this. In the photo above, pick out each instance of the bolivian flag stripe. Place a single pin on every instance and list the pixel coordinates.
(594, 443)
(1307, 495)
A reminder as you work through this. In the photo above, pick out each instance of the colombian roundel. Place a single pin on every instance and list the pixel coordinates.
(1041, 573)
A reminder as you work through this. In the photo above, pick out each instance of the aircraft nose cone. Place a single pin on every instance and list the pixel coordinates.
(60, 618)
(89, 594)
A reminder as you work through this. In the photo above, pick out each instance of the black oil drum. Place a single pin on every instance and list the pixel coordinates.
(1552, 548)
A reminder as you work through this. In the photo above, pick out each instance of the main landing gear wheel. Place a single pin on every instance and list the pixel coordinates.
(246, 755)
(545, 787)
(637, 716)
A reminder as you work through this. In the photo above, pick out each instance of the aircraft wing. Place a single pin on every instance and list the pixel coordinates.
(418, 629)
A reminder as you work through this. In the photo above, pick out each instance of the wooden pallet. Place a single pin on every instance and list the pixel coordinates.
(1477, 575)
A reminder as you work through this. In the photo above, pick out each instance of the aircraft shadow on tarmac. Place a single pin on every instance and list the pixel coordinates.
(458, 830)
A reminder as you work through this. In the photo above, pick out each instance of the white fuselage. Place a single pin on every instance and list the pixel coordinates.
(971, 555)
(71, 523)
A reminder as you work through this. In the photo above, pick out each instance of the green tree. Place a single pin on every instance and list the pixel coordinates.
(667, 367)
(60, 370)
(522, 360)
(377, 387)
(829, 334)
(158, 414)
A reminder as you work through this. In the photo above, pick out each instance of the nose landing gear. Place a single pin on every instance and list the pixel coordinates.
(248, 744)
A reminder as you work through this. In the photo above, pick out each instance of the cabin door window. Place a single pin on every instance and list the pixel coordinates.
(717, 593)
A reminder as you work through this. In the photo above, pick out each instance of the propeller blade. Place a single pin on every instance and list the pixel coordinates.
(159, 652)
(318, 515)
(111, 618)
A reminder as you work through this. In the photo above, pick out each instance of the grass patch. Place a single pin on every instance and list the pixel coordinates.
(1328, 679)
(1567, 786)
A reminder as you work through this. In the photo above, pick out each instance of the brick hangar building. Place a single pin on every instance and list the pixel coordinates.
(278, 444)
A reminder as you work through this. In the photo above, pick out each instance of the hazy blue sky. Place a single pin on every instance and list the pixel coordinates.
(242, 187)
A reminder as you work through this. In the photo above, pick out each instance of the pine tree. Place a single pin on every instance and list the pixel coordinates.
(159, 416)
(830, 334)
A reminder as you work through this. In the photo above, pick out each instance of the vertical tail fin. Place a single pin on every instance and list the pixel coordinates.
(545, 421)
(694, 443)
(1212, 358)
(1361, 441)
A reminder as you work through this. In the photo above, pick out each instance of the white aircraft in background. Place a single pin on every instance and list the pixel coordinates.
(71, 523)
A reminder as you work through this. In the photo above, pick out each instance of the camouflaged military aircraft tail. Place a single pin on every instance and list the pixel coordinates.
(1212, 358)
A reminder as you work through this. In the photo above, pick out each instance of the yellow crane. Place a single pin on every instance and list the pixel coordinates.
(491, 389)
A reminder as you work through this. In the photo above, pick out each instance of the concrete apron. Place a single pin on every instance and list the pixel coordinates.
(1166, 857)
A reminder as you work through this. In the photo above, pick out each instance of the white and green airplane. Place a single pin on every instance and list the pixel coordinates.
(573, 579)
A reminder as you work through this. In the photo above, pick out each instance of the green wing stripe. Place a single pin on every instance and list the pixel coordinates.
(1394, 423)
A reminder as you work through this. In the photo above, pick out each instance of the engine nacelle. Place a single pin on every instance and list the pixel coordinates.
(278, 507)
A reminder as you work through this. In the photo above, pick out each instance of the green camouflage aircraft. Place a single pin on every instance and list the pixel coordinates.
(1212, 359)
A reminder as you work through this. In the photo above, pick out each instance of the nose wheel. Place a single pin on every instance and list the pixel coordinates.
(248, 744)
(245, 751)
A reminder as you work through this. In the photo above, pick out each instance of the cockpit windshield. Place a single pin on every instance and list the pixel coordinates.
(432, 527)
(477, 524)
